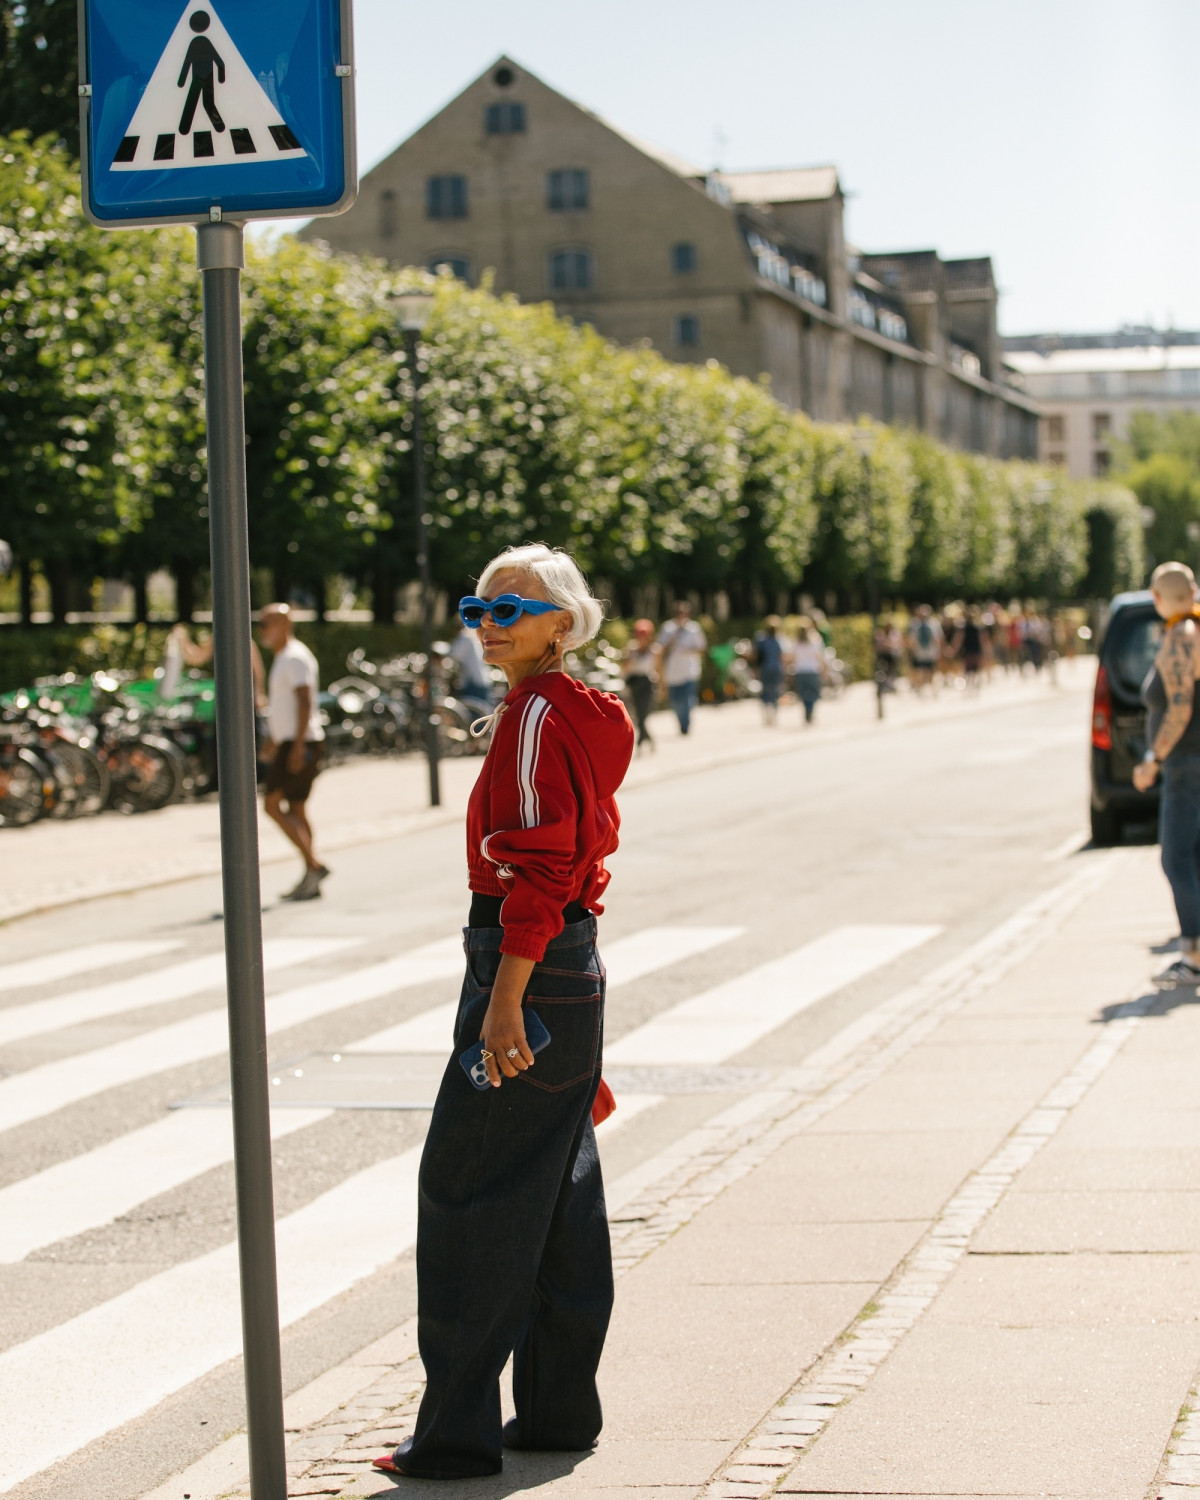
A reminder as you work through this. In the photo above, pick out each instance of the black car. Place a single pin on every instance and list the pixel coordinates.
(1131, 634)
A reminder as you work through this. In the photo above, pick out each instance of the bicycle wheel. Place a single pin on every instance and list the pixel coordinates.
(26, 787)
(83, 780)
(147, 774)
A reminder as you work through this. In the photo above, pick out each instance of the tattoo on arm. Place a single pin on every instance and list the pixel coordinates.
(1177, 668)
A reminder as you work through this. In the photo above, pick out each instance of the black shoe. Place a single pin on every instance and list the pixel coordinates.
(398, 1463)
(511, 1438)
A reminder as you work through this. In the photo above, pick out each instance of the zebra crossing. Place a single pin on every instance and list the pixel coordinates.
(104, 1367)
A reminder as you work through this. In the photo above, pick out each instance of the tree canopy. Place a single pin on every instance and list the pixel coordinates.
(657, 475)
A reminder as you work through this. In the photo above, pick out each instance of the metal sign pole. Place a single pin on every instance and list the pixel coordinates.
(221, 259)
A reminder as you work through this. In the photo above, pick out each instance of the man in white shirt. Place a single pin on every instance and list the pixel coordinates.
(295, 748)
(682, 643)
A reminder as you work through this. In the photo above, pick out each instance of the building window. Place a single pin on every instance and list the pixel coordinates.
(387, 214)
(504, 119)
(1101, 426)
(446, 197)
(570, 270)
(567, 189)
(683, 257)
(1056, 429)
(457, 265)
(1101, 462)
(892, 326)
(687, 330)
(1056, 460)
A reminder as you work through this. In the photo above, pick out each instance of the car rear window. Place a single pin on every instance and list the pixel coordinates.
(1131, 648)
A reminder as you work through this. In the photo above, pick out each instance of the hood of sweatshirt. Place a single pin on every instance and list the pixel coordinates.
(598, 720)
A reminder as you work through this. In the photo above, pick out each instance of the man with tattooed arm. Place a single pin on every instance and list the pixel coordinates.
(1173, 748)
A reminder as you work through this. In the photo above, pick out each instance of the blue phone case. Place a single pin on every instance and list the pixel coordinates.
(472, 1061)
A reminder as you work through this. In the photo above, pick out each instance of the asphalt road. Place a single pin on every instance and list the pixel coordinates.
(874, 858)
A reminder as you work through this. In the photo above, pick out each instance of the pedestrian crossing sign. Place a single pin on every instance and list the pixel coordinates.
(240, 109)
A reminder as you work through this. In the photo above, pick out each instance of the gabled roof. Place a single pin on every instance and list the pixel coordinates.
(781, 184)
(666, 158)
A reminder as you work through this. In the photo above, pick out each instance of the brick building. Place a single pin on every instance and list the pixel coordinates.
(747, 268)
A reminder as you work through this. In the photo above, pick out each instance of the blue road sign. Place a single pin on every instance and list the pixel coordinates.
(211, 109)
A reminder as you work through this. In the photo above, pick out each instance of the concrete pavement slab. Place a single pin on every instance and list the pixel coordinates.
(976, 1410)
(734, 1252)
(1114, 1222)
(704, 1362)
(1084, 1290)
(1113, 1169)
(845, 1178)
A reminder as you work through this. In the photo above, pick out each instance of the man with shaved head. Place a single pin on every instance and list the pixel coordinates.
(295, 749)
(1173, 748)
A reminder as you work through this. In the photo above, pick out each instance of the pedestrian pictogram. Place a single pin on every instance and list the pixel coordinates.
(203, 106)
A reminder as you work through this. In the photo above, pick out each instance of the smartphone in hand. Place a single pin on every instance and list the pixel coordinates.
(472, 1061)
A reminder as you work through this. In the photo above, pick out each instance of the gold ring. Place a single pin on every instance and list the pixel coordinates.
(486, 1055)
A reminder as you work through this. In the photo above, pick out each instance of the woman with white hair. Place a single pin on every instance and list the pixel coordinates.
(512, 1241)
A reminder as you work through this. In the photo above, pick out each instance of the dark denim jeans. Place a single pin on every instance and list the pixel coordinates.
(1179, 834)
(512, 1240)
(682, 698)
(808, 690)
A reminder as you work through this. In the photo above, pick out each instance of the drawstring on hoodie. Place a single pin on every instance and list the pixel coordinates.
(487, 722)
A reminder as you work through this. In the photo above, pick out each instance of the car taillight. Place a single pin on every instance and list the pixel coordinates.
(1102, 713)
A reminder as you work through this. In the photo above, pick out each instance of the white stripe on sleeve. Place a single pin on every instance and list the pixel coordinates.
(528, 748)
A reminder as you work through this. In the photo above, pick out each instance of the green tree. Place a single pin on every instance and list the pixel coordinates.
(39, 44)
(314, 382)
(79, 364)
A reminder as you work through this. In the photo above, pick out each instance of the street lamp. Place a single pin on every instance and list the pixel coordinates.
(412, 314)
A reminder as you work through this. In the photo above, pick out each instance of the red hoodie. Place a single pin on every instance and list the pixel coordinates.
(542, 818)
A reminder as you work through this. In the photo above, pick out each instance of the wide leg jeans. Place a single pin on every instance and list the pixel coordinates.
(513, 1251)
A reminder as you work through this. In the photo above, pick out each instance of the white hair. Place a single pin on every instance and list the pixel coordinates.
(562, 582)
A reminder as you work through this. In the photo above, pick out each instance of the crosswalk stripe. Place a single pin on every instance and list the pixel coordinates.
(191, 977)
(626, 959)
(40, 1091)
(725, 1020)
(90, 1190)
(93, 1373)
(70, 961)
(93, 1189)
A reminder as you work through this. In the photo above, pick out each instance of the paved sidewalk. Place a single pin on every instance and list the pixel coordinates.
(956, 1253)
(365, 800)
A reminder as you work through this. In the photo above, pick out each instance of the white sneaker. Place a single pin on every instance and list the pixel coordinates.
(308, 889)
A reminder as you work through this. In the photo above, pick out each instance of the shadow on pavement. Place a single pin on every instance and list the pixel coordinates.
(1151, 1003)
(522, 1471)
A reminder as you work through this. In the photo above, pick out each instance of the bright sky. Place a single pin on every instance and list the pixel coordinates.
(1058, 136)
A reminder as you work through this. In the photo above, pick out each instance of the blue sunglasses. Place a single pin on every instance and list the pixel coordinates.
(505, 609)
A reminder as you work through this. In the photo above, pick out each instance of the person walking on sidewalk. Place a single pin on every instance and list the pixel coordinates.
(924, 638)
(1173, 748)
(513, 1251)
(640, 667)
(295, 749)
(807, 665)
(682, 643)
(768, 658)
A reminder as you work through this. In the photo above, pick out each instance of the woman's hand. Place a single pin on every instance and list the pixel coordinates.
(504, 1026)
